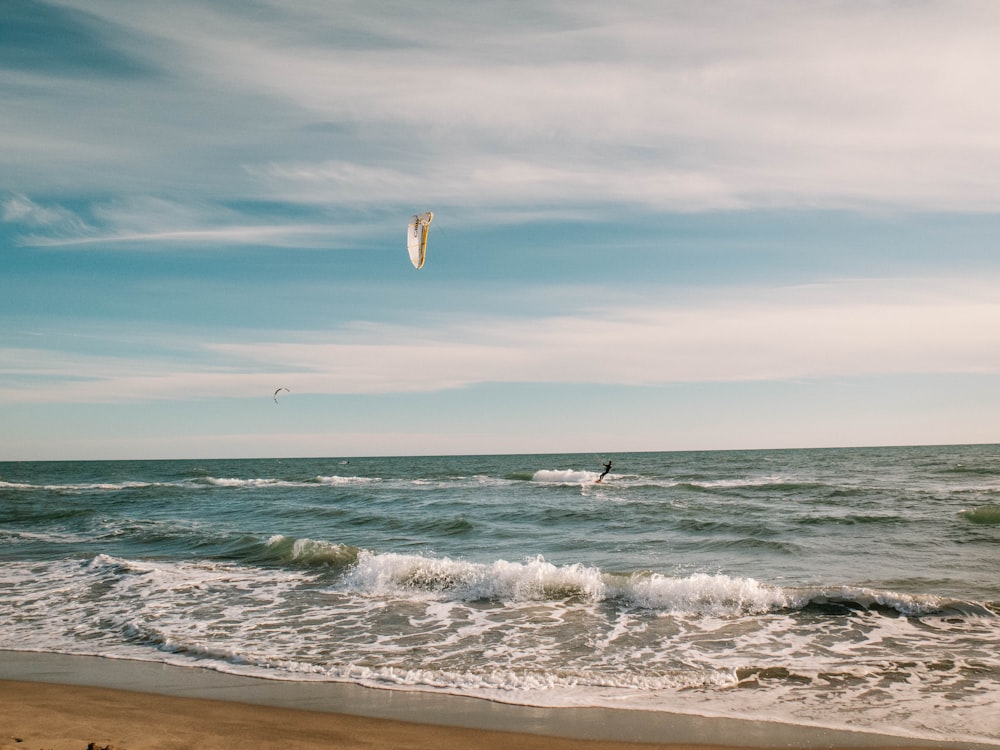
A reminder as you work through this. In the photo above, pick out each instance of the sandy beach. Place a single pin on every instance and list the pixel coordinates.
(63, 717)
(61, 702)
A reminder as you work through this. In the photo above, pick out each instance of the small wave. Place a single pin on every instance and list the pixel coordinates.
(851, 519)
(17, 486)
(910, 605)
(240, 483)
(80, 487)
(533, 580)
(754, 676)
(692, 487)
(986, 515)
(451, 527)
(767, 483)
(516, 685)
(521, 476)
(13, 535)
(564, 476)
(309, 552)
(120, 566)
(339, 480)
(754, 543)
(702, 593)
(848, 492)
(974, 470)
(144, 634)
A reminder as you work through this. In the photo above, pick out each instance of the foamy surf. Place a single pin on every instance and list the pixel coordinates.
(810, 587)
(564, 476)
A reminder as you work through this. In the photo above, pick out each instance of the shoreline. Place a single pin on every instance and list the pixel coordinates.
(133, 701)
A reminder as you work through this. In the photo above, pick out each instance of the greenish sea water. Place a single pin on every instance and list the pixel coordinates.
(848, 587)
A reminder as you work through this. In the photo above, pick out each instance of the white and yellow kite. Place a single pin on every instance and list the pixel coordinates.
(416, 237)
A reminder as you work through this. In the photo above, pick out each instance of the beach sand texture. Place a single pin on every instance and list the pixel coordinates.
(61, 717)
(44, 716)
(65, 702)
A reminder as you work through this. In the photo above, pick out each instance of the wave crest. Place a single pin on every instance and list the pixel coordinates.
(909, 605)
(310, 552)
(702, 593)
(342, 480)
(536, 579)
(563, 476)
(986, 515)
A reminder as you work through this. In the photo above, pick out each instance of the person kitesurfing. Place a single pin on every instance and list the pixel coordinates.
(607, 468)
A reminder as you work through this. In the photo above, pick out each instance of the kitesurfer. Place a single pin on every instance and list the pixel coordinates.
(607, 468)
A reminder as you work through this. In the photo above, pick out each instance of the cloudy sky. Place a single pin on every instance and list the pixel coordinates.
(659, 225)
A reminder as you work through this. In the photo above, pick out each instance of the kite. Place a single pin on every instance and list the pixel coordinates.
(279, 390)
(416, 237)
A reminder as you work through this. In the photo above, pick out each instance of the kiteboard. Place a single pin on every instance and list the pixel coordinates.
(416, 238)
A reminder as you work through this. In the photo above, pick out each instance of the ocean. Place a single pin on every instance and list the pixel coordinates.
(843, 588)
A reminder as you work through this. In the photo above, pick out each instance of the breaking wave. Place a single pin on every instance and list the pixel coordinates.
(536, 579)
(564, 476)
(310, 553)
(986, 515)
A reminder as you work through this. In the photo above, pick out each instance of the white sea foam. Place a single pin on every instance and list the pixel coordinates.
(18, 486)
(341, 480)
(80, 486)
(256, 482)
(704, 594)
(880, 613)
(532, 580)
(736, 482)
(526, 632)
(867, 598)
(564, 476)
(46, 536)
(539, 580)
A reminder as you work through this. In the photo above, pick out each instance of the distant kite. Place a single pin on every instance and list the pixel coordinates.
(416, 238)
(279, 390)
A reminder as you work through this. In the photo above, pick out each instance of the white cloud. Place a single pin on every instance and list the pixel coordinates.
(19, 209)
(853, 329)
(151, 221)
(736, 104)
(676, 105)
(297, 235)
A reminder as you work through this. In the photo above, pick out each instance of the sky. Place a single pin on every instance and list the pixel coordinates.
(658, 225)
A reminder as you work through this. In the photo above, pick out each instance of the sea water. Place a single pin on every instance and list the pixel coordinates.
(848, 588)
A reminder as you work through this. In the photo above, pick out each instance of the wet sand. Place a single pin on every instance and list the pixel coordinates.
(56, 702)
(61, 717)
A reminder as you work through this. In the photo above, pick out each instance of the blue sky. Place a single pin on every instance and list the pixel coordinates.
(658, 226)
